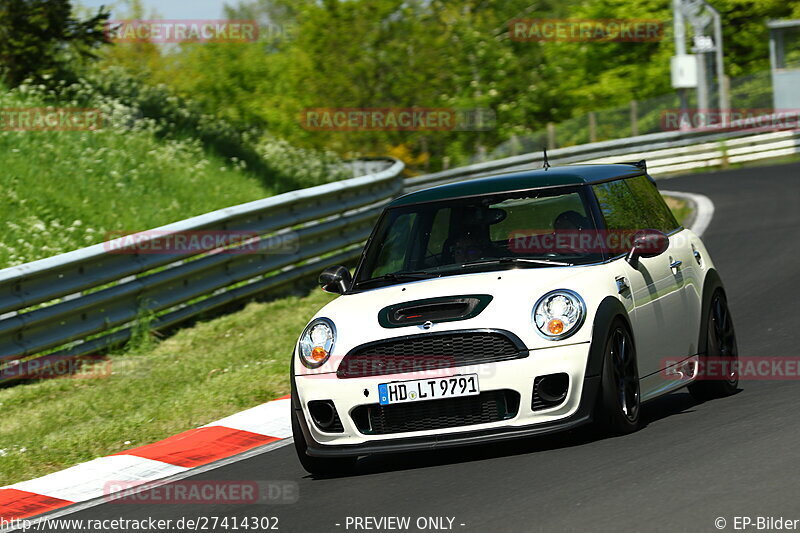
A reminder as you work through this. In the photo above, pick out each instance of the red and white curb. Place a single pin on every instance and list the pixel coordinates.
(263, 424)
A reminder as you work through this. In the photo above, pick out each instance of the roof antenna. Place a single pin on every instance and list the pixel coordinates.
(546, 162)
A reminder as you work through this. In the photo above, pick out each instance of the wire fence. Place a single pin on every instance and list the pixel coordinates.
(637, 118)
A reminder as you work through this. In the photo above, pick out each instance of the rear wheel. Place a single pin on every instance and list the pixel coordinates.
(620, 402)
(721, 351)
(318, 466)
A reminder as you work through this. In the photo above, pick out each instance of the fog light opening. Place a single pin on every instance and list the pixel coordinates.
(550, 390)
(323, 413)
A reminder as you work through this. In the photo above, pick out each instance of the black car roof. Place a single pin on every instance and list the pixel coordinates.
(518, 181)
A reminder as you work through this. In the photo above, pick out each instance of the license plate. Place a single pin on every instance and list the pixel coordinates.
(428, 389)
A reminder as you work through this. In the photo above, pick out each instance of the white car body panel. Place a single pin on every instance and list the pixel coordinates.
(663, 306)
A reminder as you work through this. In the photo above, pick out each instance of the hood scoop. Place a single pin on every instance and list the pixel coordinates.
(442, 309)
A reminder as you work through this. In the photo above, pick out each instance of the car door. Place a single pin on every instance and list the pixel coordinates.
(684, 277)
(690, 276)
(659, 324)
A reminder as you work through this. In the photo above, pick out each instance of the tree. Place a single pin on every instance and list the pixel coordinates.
(41, 37)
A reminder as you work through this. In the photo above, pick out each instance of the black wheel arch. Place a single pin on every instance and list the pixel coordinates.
(711, 283)
(608, 311)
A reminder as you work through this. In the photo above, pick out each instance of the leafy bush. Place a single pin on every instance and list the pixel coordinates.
(279, 165)
(62, 190)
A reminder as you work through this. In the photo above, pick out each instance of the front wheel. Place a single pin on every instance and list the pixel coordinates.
(619, 403)
(318, 466)
(721, 352)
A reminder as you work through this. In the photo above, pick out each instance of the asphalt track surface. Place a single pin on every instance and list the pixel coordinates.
(690, 464)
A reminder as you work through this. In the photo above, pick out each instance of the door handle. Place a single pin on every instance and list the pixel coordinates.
(696, 254)
(622, 284)
(675, 264)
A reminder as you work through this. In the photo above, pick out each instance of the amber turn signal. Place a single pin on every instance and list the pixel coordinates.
(555, 326)
(318, 353)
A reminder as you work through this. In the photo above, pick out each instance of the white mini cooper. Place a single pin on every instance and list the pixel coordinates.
(505, 307)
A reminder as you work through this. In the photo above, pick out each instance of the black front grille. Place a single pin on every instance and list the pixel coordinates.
(486, 407)
(431, 351)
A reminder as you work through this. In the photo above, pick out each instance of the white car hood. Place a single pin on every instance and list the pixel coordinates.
(514, 293)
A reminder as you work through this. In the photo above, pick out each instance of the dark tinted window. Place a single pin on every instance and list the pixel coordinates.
(658, 215)
(634, 203)
(438, 238)
(392, 251)
(620, 208)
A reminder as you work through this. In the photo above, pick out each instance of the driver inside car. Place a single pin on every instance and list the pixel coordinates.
(567, 228)
(467, 248)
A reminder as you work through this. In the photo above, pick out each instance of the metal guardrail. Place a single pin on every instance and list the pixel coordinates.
(92, 297)
(665, 153)
(87, 300)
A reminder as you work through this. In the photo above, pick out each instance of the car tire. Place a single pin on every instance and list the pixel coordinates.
(619, 402)
(720, 343)
(319, 466)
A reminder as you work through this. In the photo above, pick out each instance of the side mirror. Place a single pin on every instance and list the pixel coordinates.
(648, 243)
(335, 279)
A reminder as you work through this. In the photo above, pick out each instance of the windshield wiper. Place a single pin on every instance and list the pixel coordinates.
(514, 260)
(398, 276)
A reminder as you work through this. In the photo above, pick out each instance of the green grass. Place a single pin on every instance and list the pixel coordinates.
(158, 159)
(679, 207)
(63, 190)
(199, 375)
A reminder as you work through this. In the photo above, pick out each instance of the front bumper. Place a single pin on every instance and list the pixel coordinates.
(517, 375)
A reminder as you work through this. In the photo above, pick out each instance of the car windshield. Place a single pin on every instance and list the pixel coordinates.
(508, 230)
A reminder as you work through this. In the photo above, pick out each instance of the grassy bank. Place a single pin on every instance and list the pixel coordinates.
(679, 207)
(60, 191)
(155, 160)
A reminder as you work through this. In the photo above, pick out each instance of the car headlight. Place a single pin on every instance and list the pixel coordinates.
(316, 342)
(559, 314)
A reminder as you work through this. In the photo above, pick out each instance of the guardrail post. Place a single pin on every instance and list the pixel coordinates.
(724, 149)
(634, 118)
(725, 91)
(423, 143)
(551, 136)
(592, 126)
(481, 152)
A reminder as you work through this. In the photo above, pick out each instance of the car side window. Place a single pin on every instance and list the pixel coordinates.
(652, 205)
(619, 206)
